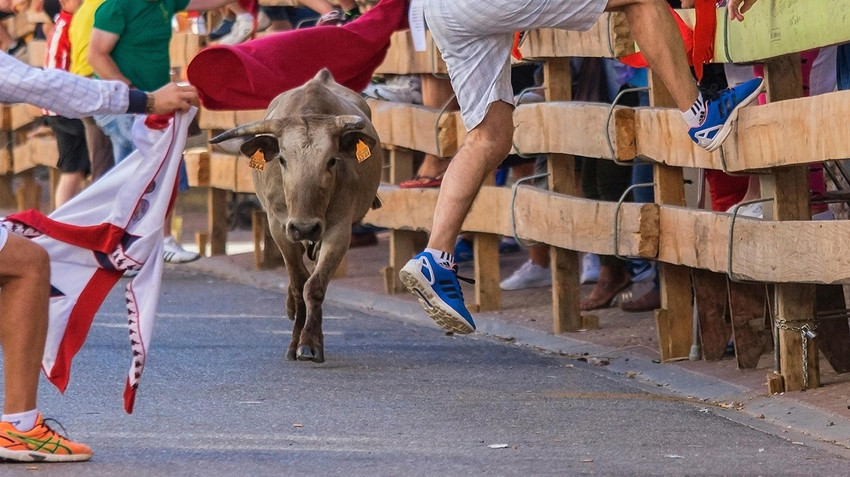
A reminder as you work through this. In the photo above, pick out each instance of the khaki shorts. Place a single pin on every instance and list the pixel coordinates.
(475, 38)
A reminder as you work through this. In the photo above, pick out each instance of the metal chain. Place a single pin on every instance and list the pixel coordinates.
(807, 332)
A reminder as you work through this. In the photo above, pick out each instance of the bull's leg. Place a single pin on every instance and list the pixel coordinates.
(296, 308)
(334, 246)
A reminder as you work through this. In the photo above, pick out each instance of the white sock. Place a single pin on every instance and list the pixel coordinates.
(444, 259)
(245, 17)
(696, 115)
(23, 421)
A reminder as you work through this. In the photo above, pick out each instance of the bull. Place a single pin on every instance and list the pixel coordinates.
(317, 166)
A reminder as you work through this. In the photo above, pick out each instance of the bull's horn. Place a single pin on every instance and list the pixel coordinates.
(268, 126)
(350, 122)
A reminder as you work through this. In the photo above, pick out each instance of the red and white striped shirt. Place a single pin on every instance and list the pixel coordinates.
(58, 55)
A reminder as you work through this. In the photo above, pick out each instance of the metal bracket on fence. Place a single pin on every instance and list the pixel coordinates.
(518, 102)
(617, 215)
(608, 122)
(513, 201)
(731, 235)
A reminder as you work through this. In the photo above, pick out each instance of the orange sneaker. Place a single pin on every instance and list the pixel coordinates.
(40, 444)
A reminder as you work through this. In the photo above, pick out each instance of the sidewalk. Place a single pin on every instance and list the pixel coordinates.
(625, 343)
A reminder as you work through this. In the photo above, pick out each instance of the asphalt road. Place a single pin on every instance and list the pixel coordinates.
(393, 398)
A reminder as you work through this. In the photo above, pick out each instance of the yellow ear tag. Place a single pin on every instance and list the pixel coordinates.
(258, 160)
(362, 153)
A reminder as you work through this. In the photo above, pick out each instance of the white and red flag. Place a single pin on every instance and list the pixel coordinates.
(114, 225)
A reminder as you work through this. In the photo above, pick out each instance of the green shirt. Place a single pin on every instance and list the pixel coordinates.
(144, 30)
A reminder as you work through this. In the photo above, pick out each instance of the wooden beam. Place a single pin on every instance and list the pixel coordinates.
(610, 37)
(416, 127)
(572, 127)
(402, 59)
(760, 140)
(217, 220)
(541, 216)
(674, 319)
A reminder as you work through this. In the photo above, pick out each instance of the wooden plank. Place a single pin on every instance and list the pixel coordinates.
(223, 171)
(416, 127)
(402, 248)
(674, 318)
(747, 307)
(402, 59)
(217, 220)
(401, 165)
(488, 295)
(197, 166)
(581, 128)
(183, 47)
(789, 187)
(610, 37)
(712, 303)
(210, 119)
(541, 216)
(763, 250)
(833, 331)
(36, 151)
(760, 140)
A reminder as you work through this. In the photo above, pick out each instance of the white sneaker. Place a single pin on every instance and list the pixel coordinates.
(263, 21)
(398, 89)
(589, 268)
(172, 252)
(529, 275)
(243, 28)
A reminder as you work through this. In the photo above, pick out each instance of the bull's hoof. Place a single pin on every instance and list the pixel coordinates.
(290, 354)
(306, 353)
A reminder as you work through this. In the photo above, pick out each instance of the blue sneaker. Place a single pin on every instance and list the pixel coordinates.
(721, 111)
(439, 293)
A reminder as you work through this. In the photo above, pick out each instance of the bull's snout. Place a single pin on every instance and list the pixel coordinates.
(301, 230)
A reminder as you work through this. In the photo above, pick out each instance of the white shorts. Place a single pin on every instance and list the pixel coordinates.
(475, 38)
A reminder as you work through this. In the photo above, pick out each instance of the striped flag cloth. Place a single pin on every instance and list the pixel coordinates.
(114, 225)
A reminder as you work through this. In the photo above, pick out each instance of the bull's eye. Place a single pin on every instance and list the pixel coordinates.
(332, 162)
(282, 161)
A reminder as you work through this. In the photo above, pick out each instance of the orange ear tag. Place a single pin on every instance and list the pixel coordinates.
(362, 153)
(258, 160)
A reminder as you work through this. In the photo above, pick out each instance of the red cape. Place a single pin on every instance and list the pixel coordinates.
(249, 75)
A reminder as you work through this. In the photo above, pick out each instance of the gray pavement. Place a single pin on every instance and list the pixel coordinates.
(396, 396)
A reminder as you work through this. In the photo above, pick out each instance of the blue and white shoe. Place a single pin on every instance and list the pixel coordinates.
(439, 293)
(721, 111)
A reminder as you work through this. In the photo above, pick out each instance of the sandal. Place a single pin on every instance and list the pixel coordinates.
(604, 292)
(419, 182)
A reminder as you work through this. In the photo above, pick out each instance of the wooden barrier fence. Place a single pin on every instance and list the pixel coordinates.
(796, 258)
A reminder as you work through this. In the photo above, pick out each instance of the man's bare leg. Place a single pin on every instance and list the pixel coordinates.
(25, 282)
(485, 147)
(658, 37)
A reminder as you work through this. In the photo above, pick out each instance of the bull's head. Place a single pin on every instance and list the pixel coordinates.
(314, 154)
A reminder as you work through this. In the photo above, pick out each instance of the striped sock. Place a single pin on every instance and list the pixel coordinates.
(696, 115)
(444, 259)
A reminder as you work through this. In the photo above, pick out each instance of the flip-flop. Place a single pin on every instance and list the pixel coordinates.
(419, 182)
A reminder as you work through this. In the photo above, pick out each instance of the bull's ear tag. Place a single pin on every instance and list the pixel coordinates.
(362, 153)
(258, 160)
